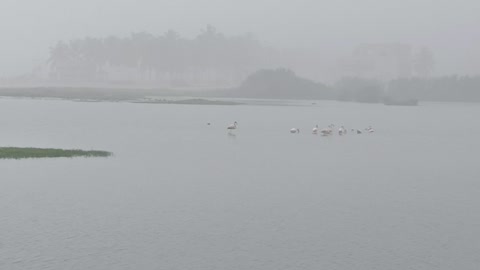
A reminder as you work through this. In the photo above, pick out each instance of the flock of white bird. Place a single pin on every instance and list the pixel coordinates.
(330, 130)
(324, 132)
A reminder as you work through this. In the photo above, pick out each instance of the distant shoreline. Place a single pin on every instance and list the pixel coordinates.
(146, 96)
(200, 96)
(190, 101)
(86, 93)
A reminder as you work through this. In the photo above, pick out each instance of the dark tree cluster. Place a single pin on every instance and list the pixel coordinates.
(281, 83)
(284, 83)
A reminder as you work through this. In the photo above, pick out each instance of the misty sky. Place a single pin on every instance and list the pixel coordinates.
(450, 28)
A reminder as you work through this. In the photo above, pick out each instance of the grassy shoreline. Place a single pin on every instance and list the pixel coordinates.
(192, 101)
(151, 96)
(29, 152)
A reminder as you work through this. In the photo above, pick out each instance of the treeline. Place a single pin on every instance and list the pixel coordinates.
(145, 57)
(358, 90)
(447, 88)
(283, 83)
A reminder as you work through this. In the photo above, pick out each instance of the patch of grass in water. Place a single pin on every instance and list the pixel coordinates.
(21, 153)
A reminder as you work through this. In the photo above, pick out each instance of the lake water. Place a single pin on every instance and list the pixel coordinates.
(179, 194)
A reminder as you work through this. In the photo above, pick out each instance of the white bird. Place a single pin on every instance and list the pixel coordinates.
(294, 130)
(326, 131)
(233, 126)
(370, 129)
(315, 130)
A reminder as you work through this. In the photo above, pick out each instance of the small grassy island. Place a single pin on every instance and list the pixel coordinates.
(21, 153)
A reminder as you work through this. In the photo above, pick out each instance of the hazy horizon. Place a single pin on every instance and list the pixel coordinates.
(330, 29)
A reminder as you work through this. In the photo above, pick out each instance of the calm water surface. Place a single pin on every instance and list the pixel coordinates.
(179, 194)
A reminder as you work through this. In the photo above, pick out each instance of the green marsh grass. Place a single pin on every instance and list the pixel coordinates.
(21, 153)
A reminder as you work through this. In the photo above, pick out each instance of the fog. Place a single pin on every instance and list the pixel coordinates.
(327, 29)
(239, 134)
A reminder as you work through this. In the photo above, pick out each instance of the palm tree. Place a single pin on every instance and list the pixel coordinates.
(58, 56)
